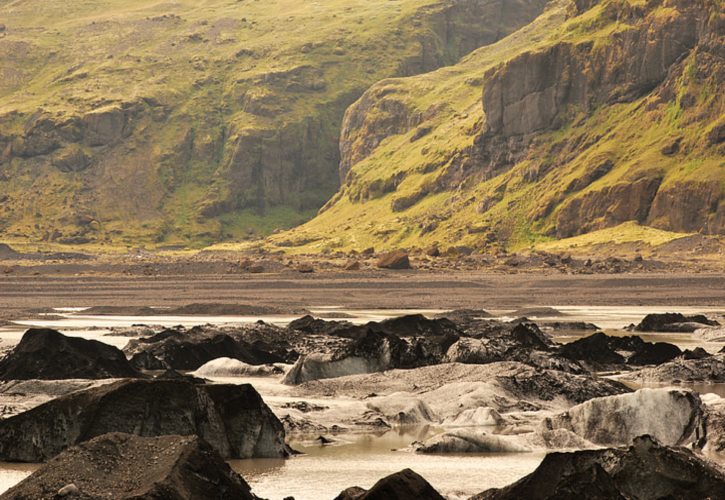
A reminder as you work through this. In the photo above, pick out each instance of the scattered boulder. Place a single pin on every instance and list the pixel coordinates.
(646, 470)
(403, 485)
(353, 265)
(673, 417)
(125, 466)
(49, 355)
(433, 251)
(673, 322)
(397, 259)
(305, 269)
(233, 419)
(7, 252)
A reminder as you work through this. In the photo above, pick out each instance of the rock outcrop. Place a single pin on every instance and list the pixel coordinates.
(601, 351)
(232, 419)
(673, 417)
(403, 485)
(190, 349)
(646, 470)
(125, 467)
(50, 355)
(674, 322)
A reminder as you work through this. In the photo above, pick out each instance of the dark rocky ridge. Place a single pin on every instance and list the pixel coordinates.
(50, 355)
(182, 349)
(124, 466)
(232, 419)
(601, 351)
(674, 322)
(645, 471)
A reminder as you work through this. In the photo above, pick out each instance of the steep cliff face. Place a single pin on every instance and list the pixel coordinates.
(129, 122)
(596, 114)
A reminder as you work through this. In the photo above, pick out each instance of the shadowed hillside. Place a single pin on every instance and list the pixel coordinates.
(127, 122)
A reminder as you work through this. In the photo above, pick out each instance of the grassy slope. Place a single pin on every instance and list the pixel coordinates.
(202, 60)
(632, 134)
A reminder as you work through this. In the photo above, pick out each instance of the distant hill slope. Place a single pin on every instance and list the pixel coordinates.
(596, 114)
(128, 121)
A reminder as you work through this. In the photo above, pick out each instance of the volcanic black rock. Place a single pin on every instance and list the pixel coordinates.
(188, 350)
(673, 322)
(601, 350)
(403, 485)
(50, 355)
(125, 466)
(646, 470)
(233, 419)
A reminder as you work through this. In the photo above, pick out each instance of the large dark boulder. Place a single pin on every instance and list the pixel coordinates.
(646, 470)
(233, 419)
(188, 350)
(125, 467)
(674, 322)
(397, 259)
(601, 350)
(403, 485)
(50, 355)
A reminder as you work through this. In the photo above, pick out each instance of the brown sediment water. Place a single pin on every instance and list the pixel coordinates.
(362, 459)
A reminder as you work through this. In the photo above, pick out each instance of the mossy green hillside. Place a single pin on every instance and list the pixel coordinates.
(196, 121)
(653, 155)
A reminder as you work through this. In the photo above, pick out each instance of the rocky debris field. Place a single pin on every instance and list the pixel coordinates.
(489, 385)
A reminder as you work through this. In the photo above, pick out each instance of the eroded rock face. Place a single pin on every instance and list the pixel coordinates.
(673, 417)
(403, 485)
(50, 355)
(125, 466)
(646, 470)
(232, 419)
